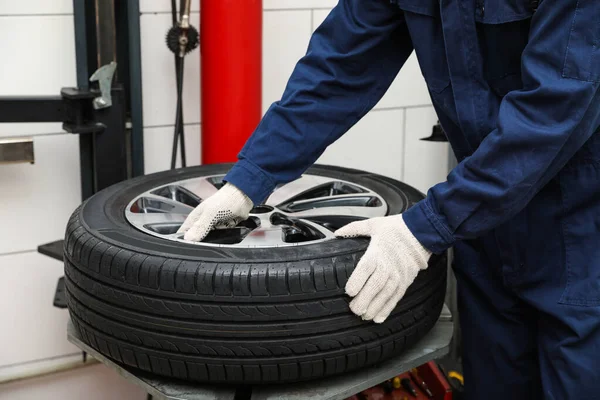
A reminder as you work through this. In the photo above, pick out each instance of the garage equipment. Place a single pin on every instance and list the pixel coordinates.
(181, 39)
(433, 345)
(16, 150)
(105, 110)
(231, 46)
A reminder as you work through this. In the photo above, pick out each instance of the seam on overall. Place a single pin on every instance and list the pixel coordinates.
(472, 65)
(443, 231)
(566, 262)
(459, 123)
(593, 77)
(505, 18)
(258, 169)
(591, 64)
(565, 299)
(564, 74)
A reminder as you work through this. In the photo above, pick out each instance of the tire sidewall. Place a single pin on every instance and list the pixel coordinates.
(103, 215)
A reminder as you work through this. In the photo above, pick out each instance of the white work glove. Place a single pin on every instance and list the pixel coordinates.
(388, 267)
(224, 209)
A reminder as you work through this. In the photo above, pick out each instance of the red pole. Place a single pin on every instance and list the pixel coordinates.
(231, 61)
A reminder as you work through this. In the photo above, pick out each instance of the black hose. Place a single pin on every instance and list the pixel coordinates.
(174, 12)
(179, 64)
(178, 130)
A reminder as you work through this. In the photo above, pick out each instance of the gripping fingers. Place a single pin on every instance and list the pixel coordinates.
(189, 222)
(365, 267)
(354, 229)
(191, 219)
(382, 298)
(389, 306)
(200, 229)
(366, 295)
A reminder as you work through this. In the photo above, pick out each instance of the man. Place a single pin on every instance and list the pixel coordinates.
(515, 86)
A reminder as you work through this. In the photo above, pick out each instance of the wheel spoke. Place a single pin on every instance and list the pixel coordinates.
(202, 187)
(340, 200)
(166, 205)
(350, 211)
(143, 219)
(290, 190)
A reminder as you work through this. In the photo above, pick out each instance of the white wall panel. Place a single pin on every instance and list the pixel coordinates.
(408, 89)
(158, 74)
(152, 6)
(425, 163)
(285, 39)
(374, 144)
(39, 60)
(37, 7)
(33, 328)
(297, 4)
(158, 143)
(38, 199)
(90, 383)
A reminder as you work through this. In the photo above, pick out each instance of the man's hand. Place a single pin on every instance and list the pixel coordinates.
(224, 209)
(388, 267)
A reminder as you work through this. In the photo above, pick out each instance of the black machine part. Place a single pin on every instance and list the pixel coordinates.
(232, 314)
(174, 34)
(181, 38)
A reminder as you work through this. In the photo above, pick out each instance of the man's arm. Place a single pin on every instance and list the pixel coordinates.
(539, 129)
(351, 61)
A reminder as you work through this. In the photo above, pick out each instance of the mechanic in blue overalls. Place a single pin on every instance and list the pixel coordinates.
(515, 86)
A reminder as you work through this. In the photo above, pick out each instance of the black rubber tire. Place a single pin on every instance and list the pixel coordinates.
(232, 315)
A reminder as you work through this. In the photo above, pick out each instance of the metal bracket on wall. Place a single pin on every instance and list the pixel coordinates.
(16, 150)
(437, 134)
(104, 76)
(98, 115)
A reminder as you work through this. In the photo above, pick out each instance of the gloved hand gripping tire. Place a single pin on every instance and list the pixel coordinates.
(388, 267)
(225, 209)
(384, 273)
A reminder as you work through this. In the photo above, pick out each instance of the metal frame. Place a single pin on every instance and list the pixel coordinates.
(111, 138)
(110, 151)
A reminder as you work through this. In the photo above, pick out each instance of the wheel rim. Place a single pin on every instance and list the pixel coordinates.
(305, 211)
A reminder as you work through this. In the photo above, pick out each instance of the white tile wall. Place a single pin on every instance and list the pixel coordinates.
(298, 4)
(90, 383)
(425, 163)
(40, 54)
(158, 74)
(285, 39)
(374, 144)
(37, 328)
(152, 6)
(37, 199)
(40, 57)
(36, 7)
(158, 142)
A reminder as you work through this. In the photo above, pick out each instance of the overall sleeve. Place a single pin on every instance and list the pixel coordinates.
(351, 61)
(539, 129)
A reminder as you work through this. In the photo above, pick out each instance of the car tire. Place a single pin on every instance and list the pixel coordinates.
(233, 315)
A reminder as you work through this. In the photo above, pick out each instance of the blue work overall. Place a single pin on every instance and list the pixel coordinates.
(515, 85)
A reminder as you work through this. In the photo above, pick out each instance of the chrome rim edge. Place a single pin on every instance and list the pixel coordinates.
(305, 211)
